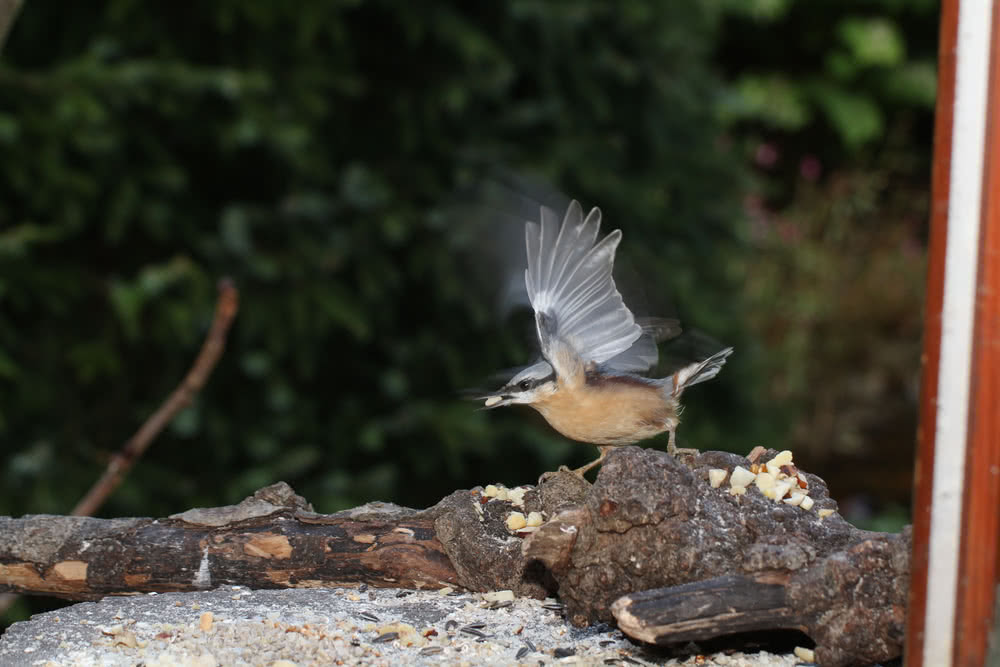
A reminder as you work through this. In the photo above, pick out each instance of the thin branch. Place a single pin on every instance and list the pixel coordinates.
(8, 14)
(120, 464)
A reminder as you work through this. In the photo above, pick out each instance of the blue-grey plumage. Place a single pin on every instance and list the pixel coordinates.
(587, 387)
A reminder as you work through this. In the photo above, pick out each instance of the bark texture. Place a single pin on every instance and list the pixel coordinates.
(650, 546)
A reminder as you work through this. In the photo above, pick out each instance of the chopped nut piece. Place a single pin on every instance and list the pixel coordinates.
(516, 521)
(490, 491)
(499, 596)
(789, 469)
(741, 477)
(516, 496)
(716, 476)
(781, 489)
(205, 622)
(737, 490)
(803, 482)
(755, 468)
(503, 494)
(764, 481)
(781, 459)
(794, 498)
(535, 519)
(807, 503)
(756, 453)
(824, 513)
(804, 654)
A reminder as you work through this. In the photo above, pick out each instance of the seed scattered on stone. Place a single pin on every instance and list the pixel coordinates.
(521, 653)
(529, 645)
(564, 652)
(474, 626)
(607, 642)
(362, 588)
(630, 661)
(554, 606)
(475, 632)
(430, 650)
(403, 594)
(368, 616)
(387, 637)
(450, 625)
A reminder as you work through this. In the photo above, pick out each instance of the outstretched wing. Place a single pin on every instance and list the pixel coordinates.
(644, 354)
(571, 289)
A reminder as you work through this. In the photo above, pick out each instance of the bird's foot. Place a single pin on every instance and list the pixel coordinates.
(674, 450)
(684, 451)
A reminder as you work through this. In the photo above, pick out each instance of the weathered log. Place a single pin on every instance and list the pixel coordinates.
(650, 521)
(654, 522)
(270, 540)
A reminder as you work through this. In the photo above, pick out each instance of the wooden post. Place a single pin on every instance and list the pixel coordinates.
(957, 495)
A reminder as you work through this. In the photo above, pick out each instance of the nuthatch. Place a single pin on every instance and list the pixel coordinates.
(588, 387)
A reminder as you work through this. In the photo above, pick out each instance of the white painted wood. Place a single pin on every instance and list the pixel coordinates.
(961, 260)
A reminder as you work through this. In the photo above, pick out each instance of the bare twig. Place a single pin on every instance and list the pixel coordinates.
(122, 462)
(211, 350)
(8, 13)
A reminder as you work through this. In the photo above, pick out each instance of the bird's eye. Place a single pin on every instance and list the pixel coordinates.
(524, 385)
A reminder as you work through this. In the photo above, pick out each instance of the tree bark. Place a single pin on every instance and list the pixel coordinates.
(710, 563)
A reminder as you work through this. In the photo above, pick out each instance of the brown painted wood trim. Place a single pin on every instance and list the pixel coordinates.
(980, 545)
(924, 471)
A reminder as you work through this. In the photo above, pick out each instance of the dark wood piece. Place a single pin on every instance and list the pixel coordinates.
(705, 609)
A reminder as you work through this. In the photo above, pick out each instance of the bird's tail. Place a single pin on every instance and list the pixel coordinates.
(697, 372)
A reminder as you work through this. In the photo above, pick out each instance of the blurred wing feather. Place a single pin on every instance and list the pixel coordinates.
(569, 282)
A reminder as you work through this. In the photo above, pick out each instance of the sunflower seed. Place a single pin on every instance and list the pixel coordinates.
(362, 588)
(368, 616)
(450, 625)
(387, 637)
(474, 626)
(523, 652)
(564, 652)
(527, 642)
(554, 606)
(430, 650)
(630, 660)
(475, 632)
(403, 594)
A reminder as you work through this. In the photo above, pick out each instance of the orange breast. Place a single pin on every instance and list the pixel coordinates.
(609, 412)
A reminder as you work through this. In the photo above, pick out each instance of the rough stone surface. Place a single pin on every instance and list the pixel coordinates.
(324, 626)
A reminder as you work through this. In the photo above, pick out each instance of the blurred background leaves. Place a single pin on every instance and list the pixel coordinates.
(767, 160)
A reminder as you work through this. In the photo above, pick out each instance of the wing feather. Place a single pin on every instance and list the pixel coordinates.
(569, 280)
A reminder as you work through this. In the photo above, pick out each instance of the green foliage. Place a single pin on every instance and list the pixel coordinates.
(310, 151)
(847, 68)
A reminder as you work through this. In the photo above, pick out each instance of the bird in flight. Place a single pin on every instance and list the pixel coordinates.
(588, 385)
